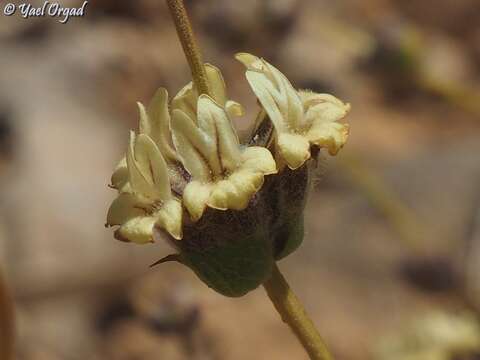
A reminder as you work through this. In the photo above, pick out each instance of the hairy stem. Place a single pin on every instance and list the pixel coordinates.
(294, 315)
(190, 47)
(7, 332)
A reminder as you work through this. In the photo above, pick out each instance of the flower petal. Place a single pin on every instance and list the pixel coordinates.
(155, 122)
(236, 191)
(330, 135)
(234, 109)
(310, 98)
(295, 149)
(122, 209)
(153, 166)
(275, 93)
(195, 198)
(138, 230)
(268, 97)
(214, 117)
(256, 158)
(144, 125)
(322, 113)
(186, 99)
(193, 146)
(216, 83)
(323, 108)
(248, 60)
(140, 184)
(169, 217)
(120, 175)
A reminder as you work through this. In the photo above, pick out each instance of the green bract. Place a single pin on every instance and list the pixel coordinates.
(229, 250)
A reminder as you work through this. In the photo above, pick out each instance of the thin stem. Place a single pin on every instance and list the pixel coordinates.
(190, 47)
(294, 315)
(7, 332)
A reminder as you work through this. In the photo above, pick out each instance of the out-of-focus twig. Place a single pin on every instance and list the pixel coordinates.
(7, 328)
(401, 56)
(410, 230)
(471, 255)
(455, 94)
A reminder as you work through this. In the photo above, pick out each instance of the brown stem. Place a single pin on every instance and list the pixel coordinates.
(190, 47)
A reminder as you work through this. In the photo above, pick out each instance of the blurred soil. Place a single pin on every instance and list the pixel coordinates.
(67, 101)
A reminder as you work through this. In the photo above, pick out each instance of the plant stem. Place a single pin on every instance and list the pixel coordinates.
(7, 332)
(190, 47)
(295, 316)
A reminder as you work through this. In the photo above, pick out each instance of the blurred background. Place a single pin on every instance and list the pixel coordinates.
(389, 268)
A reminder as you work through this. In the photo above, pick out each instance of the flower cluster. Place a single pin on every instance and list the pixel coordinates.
(185, 175)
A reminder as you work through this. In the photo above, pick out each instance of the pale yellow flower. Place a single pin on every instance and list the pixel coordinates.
(301, 118)
(144, 177)
(224, 175)
(146, 199)
(155, 123)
